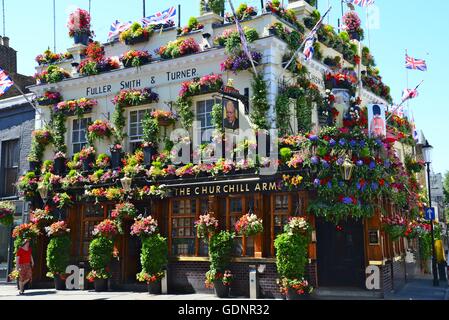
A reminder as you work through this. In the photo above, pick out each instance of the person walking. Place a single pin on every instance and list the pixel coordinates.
(24, 263)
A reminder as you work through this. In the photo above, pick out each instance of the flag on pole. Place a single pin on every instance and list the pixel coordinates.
(5, 82)
(309, 49)
(116, 28)
(415, 64)
(415, 131)
(398, 111)
(161, 17)
(360, 3)
(409, 94)
(242, 37)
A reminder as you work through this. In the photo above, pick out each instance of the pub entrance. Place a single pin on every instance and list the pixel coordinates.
(340, 253)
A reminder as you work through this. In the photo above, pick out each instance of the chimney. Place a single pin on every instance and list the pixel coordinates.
(6, 42)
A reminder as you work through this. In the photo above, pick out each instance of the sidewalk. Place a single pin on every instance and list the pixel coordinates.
(421, 289)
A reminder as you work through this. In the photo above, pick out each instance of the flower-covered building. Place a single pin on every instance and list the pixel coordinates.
(137, 120)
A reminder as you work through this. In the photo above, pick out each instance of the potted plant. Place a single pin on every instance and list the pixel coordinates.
(52, 75)
(193, 25)
(116, 155)
(352, 25)
(135, 97)
(164, 118)
(79, 26)
(99, 130)
(58, 252)
(100, 254)
(395, 226)
(220, 250)
(7, 211)
(135, 58)
(59, 159)
(136, 33)
(153, 255)
(75, 107)
(206, 226)
(150, 127)
(121, 212)
(240, 62)
(87, 156)
(178, 48)
(291, 258)
(49, 98)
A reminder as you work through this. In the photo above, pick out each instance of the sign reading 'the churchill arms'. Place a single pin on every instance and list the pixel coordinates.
(227, 188)
(150, 81)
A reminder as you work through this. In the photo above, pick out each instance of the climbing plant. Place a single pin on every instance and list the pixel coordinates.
(283, 114)
(260, 105)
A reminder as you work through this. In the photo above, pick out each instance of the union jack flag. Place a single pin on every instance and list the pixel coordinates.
(415, 64)
(116, 28)
(160, 17)
(409, 94)
(360, 3)
(5, 82)
(308, 49)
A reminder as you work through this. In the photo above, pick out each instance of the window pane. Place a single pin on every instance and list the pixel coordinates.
(75, 136)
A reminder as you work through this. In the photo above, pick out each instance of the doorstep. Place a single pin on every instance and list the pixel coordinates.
(346, 293)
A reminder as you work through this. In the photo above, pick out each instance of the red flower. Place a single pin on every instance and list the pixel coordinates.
(381, 182)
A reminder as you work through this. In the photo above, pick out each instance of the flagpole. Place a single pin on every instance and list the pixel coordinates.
(143, 2)
(239, 27)
(406, 76)
(54, 25)
(406, 99)
(304, 41)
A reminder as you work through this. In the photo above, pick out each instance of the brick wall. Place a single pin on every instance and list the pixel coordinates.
(188, 277)
(387, 278)
(8, 59)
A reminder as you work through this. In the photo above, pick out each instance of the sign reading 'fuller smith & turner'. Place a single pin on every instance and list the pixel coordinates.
(223, 189)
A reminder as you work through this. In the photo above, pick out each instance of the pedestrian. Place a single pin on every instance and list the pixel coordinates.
(24, 263)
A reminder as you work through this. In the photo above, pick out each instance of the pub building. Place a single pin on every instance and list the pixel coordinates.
(338, 255)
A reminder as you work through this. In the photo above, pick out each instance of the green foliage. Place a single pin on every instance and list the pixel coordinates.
(150, 128)
(193, 22)
(217, 116)
(58, 254)
(153, 256)
(57, 123)
(217, 6)
(119, 122)
(220, 249)
(318, 55)
(184, 108)
(283, 115)
(260, 106)
(291, 255)
(100, 253)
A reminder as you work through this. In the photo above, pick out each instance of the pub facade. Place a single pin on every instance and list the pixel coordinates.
(339, 251)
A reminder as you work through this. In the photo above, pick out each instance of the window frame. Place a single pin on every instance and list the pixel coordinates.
(199, 131)
(72, 127)
(8, 147)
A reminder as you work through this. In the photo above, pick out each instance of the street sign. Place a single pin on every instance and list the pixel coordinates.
(430, 213)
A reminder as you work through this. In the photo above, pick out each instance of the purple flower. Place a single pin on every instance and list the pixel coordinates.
(353, 143)
(325, 164)
(332, 142)
(314, 160)
(342, 142)
(360, 187)
(347, 200)
(313, 138)
(341, 184)
(362, 144)
(374, 186)
(379, 142)
(340, 161)
(372, 165)
(359, 163)
(329, 184)
(387, 164)
(317, 182)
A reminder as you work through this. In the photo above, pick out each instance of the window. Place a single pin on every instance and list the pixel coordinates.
(183, 239)
(284, 206)
(10, 161)
(135, 127)
(79, 134)
(203, 115)
(235, 207)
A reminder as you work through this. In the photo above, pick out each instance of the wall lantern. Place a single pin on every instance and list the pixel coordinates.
(126, 183)
(347, 168)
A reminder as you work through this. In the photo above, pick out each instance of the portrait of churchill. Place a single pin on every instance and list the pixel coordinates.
(231, 120)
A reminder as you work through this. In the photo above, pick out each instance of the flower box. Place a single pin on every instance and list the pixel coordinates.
(154, 287)
(47, 102)
(135, 40)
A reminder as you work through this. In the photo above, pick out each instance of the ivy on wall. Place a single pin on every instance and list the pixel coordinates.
(260, 105)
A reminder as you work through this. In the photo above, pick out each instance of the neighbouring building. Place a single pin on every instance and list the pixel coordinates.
(338, 255)
(16, 126)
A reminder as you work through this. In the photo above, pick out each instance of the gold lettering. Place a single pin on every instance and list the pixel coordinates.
(231, 188)
(264, 186)
(218, 188)
(257, 188)
(273, 186)
(247, 188)
(226, 188)
(188, 191)
(182, 192)
(197, 190)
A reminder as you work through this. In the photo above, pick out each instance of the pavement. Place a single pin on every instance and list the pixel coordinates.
(416, 289)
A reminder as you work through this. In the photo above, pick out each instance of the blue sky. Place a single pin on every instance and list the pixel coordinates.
(421, 27)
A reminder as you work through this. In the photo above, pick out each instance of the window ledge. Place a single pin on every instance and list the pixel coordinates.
(238, 260)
